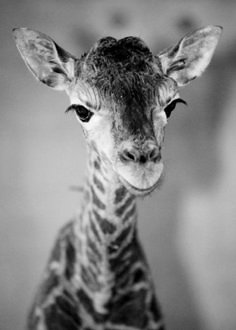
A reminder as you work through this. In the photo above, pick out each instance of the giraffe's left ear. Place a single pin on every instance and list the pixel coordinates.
(189, 58)
(48, 62)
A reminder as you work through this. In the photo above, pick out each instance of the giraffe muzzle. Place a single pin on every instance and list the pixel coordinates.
(140, 156)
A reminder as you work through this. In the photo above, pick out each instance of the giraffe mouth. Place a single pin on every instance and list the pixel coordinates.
(141, 191)
(140, 180)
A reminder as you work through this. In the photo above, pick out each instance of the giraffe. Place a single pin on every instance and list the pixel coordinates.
(97, 277)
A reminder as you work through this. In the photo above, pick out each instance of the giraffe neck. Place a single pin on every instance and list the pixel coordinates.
(107, 200)
(106, 230)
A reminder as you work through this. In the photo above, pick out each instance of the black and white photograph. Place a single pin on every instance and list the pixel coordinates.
(117, 165)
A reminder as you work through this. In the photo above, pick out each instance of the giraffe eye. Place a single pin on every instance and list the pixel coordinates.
(170, 107)
(83, 113)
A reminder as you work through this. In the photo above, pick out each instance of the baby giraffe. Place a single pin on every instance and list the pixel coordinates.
(97, 277)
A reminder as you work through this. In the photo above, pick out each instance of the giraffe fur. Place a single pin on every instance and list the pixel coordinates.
(97, 277)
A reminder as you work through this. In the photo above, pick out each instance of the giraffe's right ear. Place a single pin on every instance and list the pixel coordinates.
(48, 62)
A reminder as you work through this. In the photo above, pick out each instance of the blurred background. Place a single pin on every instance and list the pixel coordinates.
(188, 227)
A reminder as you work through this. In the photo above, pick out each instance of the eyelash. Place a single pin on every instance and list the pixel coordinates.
(83, 113)
(170, 107)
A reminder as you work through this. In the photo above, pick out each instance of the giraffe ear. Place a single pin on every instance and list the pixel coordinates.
(189, 58)
(48, 62)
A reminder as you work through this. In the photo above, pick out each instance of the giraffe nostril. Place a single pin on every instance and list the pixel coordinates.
(154, 155)
(135, 156)
(128, 156)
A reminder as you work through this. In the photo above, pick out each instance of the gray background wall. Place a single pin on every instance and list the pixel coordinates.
(189, 226)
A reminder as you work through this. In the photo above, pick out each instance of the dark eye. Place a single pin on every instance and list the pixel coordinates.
(83, 113)
(170, 107)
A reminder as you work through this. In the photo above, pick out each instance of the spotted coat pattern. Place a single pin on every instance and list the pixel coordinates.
(97, 277)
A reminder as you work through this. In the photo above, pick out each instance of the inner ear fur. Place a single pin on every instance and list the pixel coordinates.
(189, 58)
(48, 62)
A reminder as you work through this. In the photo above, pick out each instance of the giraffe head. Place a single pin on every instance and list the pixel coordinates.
(122, 94)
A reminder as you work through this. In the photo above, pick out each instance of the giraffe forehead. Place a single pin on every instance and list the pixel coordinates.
(122, 73)
(128, 91)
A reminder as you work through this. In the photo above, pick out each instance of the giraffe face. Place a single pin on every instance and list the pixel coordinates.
(122, 94)
(127, 129)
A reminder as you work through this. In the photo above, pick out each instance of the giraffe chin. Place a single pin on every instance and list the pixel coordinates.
(139, 191)
(141, 180)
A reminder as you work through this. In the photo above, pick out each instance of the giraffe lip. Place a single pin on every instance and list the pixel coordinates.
(127, 176)
(139, 191)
